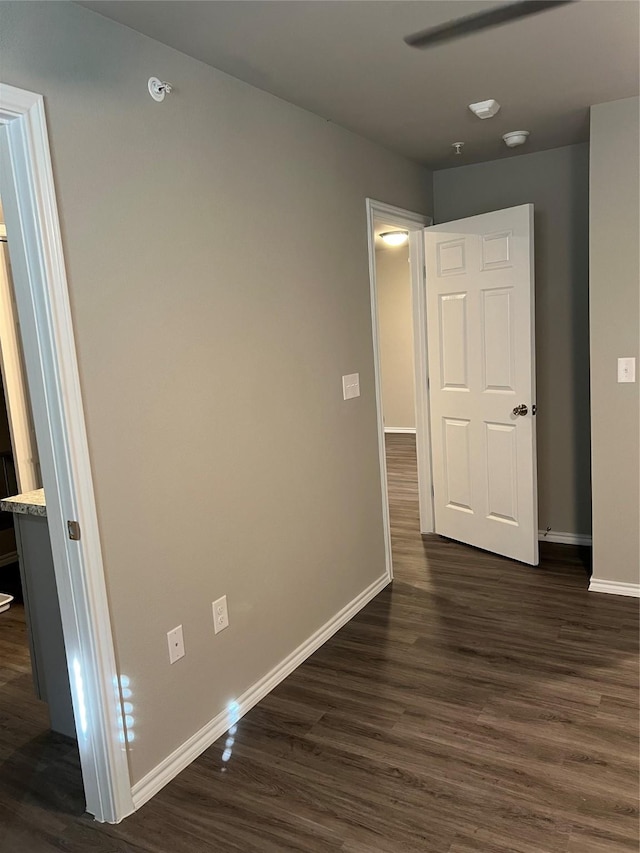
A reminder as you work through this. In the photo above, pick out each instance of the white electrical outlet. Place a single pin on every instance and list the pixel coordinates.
(176, 644)
(351, 386)
(220, 614)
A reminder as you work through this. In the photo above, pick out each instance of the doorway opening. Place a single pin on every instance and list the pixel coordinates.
(70, 534)
(398, 310)
(397, 375)
(35, 699)
(36, 674)
(19, 463)
(473, 327)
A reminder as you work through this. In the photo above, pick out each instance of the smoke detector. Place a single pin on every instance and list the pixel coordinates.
(485, 109)
(515, 137)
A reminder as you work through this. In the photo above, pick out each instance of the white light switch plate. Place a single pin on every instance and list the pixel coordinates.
(220, 614)
(176, 644)
(351, 386)
(626, 370)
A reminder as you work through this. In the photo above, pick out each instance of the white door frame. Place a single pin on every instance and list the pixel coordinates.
(379, 212)
(49, 348)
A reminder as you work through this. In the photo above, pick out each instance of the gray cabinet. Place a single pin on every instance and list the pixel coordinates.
(42, 609)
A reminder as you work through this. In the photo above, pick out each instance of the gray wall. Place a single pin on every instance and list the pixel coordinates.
(615, 332)
(556, 182)
(395, 321)
(216, 248)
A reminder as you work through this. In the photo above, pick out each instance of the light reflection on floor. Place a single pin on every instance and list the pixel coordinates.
(233, 710)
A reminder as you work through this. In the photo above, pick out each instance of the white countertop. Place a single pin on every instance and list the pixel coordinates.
(29, 503)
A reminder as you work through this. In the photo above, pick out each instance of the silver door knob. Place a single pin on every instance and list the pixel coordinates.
(521, 410)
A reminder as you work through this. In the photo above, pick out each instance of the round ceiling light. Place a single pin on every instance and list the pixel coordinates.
(395, 238)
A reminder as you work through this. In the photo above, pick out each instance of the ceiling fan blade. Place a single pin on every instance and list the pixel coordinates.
(483, 20)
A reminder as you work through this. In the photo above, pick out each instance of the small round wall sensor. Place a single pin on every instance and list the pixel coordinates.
(458, 146)
(515, 138)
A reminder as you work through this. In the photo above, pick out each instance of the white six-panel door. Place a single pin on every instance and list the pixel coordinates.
(480, 292)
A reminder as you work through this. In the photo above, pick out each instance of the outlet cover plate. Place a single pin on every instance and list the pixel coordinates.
(626, 370)
(175, 640)
(220, 614)
(351, 386)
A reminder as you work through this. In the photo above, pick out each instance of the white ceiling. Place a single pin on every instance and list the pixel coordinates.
(347, 62)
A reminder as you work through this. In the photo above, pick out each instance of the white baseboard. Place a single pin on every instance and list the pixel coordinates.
(407, 430)
(180, 758)
(614, 587)
(565, 538)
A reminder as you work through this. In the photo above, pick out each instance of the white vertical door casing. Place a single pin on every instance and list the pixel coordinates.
(480, 330)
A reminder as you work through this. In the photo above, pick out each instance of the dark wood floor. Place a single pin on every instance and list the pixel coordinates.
(476, 706)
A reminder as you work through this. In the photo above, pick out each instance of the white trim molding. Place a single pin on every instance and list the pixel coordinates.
(565, 538)
(401, 430)
(614, 587)
(180, 758)
(42, 299)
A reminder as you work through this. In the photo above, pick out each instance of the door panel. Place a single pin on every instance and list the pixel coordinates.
(453, 341)
(457, 464)
(502, 494)
(496, 250)
(481, 362)
(497, 340)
